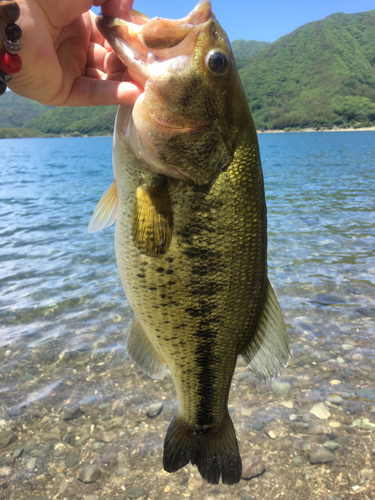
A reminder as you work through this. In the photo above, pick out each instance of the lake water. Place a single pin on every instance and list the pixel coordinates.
(63, 314)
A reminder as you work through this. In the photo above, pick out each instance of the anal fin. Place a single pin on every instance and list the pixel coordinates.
(142, 353)
(105, 212)
(268, 352)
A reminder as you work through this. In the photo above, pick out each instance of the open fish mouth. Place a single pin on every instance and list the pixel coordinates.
(176, 126)
(142, 41)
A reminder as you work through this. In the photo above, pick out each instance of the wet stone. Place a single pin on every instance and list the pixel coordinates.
(90, 474)
(246, 412)
(5, 461)
(366, 393)
(264, 388)
(343, 440)
(257, 425)
(240, 376)
(71, 460)
(320, 411)
(53, 435)
(246, 496)
(72, 413)
(15, 411)
(31, 463)
(281, 387)
(109, 460)
(334, 398)
(315, 428)
(320, 455)
(305, 446)
(134, 492)
(354, 406)
(367, 425)
(7, 438)
(367, 473)
(257, 439)
(347, 347)
(331, 445)
(108, 436)
(122, 471)
(154, 410)
(136, 400)
(297, 460)
(82, 440)
(253, 467)
(29, 448)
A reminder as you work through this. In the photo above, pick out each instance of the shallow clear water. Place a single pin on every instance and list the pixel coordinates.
(63, 309)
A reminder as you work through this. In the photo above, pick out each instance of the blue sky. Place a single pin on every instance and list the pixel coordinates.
(263, 20)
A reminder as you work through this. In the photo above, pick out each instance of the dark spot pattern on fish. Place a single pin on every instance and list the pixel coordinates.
(209, 289)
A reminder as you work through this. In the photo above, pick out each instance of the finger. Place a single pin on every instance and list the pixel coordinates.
(93, 92)
(107, 62)
(117, 8)
(99, 75)
(119, 76)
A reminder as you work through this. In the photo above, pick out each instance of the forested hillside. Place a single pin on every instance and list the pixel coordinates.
(322, 76)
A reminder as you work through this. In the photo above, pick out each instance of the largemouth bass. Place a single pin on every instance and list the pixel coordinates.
(191, 235)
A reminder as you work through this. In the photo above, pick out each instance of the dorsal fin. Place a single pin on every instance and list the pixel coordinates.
(105, 212)
(142, 353)
(268, 352)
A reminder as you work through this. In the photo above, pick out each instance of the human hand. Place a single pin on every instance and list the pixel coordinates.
(66, 61)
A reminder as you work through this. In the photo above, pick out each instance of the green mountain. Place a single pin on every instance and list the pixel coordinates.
(243, 49)
(15, 110)
(21, 117)
(321, 75)
(93, 120)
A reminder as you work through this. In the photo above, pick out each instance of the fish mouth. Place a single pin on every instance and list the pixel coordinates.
(142, 41)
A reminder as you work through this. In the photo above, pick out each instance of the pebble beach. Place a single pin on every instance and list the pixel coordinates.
(78, 420)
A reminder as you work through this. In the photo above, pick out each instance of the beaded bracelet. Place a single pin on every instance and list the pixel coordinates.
(10, 61)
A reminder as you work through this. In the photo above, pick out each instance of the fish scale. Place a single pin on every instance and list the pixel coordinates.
(191, 235)
(209, 303)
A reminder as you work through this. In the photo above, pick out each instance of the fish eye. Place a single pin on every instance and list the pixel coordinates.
(217, 62)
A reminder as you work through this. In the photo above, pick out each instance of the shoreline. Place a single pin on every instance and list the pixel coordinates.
(276, 131)
(305, 130)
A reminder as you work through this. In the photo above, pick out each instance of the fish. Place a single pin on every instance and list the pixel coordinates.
(191, 229)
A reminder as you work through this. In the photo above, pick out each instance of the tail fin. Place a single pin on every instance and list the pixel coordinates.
(214, 451)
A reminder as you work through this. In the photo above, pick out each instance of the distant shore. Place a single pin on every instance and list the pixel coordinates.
(22, 133)
(336, 129)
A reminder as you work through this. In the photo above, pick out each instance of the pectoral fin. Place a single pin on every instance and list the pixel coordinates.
(152, 218)
(142, 353)
(105, 212)
(268, 353)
